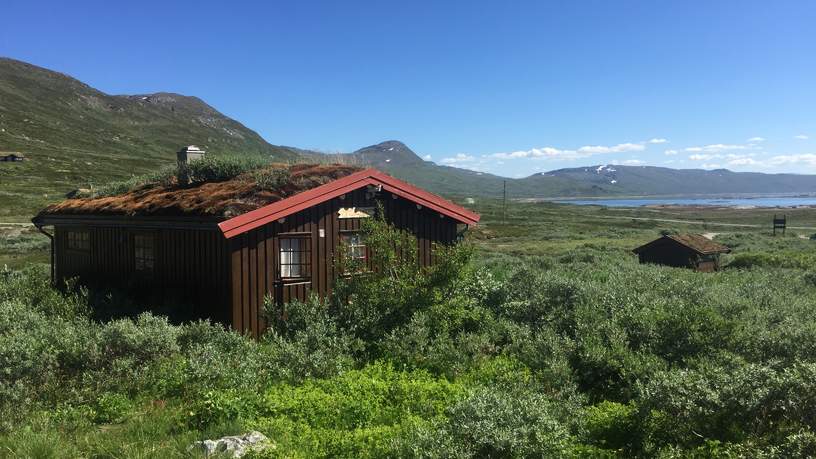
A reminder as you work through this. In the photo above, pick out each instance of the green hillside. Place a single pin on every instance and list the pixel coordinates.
(74, 135)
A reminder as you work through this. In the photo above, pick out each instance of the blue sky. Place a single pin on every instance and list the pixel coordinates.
(506, 87)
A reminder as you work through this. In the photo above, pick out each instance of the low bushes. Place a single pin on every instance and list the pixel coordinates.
(542, 356)
(208, 169)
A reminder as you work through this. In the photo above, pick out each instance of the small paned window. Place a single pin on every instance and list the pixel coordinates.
(79, 241)
(295, 257)
(144, 255)
(356, 250)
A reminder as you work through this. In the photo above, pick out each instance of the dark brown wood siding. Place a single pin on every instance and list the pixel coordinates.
(670, 253)
(255, 254)
(191, 267)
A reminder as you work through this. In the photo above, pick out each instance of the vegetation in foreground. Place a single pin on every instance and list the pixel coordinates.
(577, 352)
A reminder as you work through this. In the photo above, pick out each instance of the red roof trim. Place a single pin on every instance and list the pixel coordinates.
(259, 217)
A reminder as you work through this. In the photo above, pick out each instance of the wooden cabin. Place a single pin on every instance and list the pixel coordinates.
(693, 251)
(221, 247)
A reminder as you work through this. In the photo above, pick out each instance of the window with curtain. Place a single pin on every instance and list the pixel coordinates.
(295, 257)
(143, 252)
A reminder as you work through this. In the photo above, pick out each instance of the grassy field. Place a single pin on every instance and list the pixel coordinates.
(549, 340)
(554, 229)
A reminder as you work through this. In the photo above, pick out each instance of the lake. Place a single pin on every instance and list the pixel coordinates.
(739, 202)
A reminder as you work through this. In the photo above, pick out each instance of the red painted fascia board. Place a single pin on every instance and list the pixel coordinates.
(259, 217)
(430, 200)
(245, 222)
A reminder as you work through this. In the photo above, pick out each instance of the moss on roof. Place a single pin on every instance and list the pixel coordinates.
(246, 192)
(699, 243)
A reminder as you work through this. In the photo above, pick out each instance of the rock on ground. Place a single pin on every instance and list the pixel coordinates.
(235, 446)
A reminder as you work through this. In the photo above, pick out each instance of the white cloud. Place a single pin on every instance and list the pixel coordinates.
(734, 156)
(582, 152)
(711, 166)
(670, 152)
(459, 158)
(629, 162)
(545, 152)
(744, 162)
(427, 157)
(801, 137)
(710, 156)
(807, 158)
(557, 153)
(756, 139)
(717, 147)
(619, 148)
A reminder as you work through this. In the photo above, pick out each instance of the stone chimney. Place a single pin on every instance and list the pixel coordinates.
(185, 156)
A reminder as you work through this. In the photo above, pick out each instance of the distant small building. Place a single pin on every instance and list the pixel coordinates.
(683, 251)
(11, 157)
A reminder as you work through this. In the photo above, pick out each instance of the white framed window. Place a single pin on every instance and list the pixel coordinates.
(294, 261)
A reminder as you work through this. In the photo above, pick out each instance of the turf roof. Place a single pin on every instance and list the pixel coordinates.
(699, 243)
(696, 242)
(217, 199)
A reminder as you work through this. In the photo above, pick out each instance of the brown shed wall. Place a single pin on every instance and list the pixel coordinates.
(191, 266)
(669, 253)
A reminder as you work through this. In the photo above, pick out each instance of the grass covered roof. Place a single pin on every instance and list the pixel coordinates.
(218, 187)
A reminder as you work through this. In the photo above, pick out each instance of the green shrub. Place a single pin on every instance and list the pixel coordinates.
(783, 259)
(375, 395)
(492, 423)
(306, 341)
(371, 304)
(221, 406)
(112, 408)
(221, 168)
(148, 338)
(273, 179)
(361, 413)
(163, 177)
(729, 402)
(32, 286)
(612, 425)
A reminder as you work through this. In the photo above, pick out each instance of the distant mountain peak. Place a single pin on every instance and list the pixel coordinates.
(388, 153)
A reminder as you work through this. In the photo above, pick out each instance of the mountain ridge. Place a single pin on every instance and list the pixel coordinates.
(76, 136)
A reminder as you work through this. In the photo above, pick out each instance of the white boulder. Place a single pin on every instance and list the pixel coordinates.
(235, 446)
